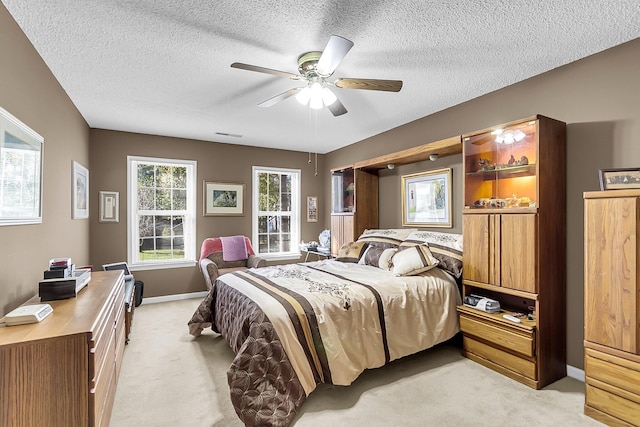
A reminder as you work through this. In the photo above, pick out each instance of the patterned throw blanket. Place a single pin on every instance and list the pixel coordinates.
(233, 248)
(295, 326)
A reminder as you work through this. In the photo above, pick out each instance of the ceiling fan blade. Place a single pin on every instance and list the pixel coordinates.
(281, 97)
(336, 108)
(336, 49)
(370, 84)
(248, 67)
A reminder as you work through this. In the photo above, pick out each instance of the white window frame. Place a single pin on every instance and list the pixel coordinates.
(294, 250)
(12, 213)
(189, 225)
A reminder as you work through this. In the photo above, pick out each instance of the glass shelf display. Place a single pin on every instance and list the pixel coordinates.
(501, 167)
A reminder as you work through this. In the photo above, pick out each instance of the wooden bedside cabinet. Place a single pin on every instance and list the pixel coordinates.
(499, 344)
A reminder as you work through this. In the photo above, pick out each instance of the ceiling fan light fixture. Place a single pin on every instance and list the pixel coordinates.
(315, 102)
(328, 97)
(304, 95)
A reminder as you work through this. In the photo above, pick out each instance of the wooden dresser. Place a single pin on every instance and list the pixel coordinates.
(63, 371)
(612, 306)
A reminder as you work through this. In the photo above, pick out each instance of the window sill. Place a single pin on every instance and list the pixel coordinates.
(280, 257)
(161, 265)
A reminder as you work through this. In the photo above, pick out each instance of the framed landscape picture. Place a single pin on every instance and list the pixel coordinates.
(223, 198)
(426, 199)
(619, 179)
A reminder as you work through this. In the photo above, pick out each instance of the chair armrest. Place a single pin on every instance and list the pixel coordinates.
(209, 271)
(256, 262)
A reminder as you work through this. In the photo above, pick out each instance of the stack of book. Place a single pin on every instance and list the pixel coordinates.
(59, 268)
(62, 280)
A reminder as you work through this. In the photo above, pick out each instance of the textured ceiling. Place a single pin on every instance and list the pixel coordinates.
(163, 66)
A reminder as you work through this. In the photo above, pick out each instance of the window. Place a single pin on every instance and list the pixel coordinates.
(161, 212)
(20, 172)
(276, 212)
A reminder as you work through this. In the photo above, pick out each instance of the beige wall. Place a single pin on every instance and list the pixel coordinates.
(598, 99)
(29, 91)
(216, 162)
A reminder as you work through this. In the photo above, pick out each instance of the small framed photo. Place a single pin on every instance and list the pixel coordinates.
(426, 199)
(223, 199)
(619, 179)
(109, 206)
(80, 190)
(312, 209)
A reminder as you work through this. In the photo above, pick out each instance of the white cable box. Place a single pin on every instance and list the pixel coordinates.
(28, 314)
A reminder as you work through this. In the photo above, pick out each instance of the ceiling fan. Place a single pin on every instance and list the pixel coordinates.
(316, 68)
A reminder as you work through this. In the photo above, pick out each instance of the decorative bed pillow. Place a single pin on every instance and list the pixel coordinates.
(351, 252)
(385, 238)
(385, 260)
(414, 260)
(445, 247)
(378, 257)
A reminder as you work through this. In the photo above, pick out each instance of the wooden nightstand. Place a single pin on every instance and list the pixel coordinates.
(500, 344)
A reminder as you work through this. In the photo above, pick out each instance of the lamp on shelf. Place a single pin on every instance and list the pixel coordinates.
(508, 137)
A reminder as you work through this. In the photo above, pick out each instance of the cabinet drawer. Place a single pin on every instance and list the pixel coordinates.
(520, 342)
(120, 334)
(613, 370)
(510, 361)
(105, 375)
(613, 404)
(101, 343)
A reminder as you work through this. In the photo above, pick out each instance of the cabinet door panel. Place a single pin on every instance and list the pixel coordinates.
(518, 251)
(342, 231)
(475, 257)
(611, 272)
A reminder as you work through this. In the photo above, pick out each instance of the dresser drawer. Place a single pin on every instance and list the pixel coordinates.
(612, 404)
(510, 361)
(613, 370)
(101, 339)
(512, 339)
(105, 375)
(120, 334)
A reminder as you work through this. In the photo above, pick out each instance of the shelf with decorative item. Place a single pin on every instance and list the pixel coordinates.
(505, 171)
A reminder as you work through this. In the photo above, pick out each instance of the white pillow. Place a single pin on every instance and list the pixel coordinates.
(412, 261)
(385, 260)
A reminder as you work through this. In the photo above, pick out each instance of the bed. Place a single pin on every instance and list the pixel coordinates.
(295, 326)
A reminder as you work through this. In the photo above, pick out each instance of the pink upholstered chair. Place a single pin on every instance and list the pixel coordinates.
(215, 262)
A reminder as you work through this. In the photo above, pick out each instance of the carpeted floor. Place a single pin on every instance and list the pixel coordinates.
(170, 378)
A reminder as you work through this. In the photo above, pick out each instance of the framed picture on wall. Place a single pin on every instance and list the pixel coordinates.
(109, 201)
(426, 199)
(312, 209)
(80, 189)
(619, 179)
(223, 198)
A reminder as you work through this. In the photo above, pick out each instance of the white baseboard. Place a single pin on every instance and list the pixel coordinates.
(576, 373)
(176, 297)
